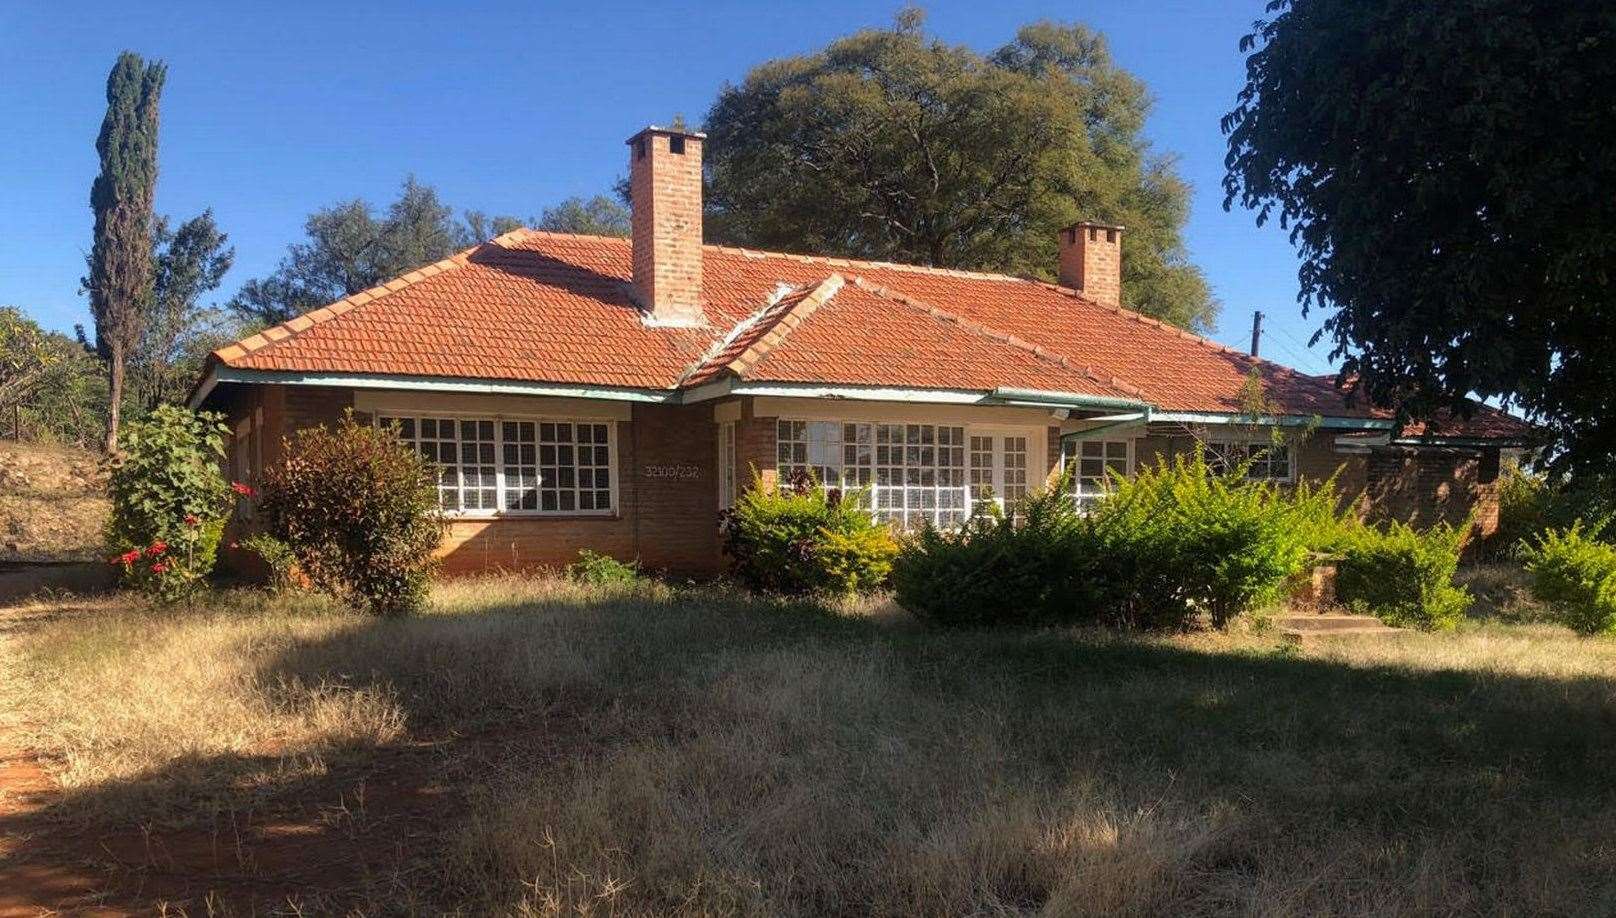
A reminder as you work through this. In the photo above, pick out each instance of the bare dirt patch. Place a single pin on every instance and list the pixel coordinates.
(53, 504)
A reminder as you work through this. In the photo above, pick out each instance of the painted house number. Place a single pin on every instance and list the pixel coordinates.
(672, 471)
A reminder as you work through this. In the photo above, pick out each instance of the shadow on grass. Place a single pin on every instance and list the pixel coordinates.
(1317, 756)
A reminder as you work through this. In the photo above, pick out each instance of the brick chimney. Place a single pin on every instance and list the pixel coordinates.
(1091, 261)
(664, 177)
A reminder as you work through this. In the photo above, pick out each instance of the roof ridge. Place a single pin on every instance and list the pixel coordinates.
(809, 298)
(298, 324)
(987, 331)
(1184, 333)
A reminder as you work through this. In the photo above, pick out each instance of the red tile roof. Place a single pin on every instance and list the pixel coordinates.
(1485, 423)
(544, 307)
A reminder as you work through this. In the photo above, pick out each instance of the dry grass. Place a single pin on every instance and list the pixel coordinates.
(699, 752)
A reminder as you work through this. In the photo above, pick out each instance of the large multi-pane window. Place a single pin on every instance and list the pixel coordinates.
(491, 465)
(1264, 461)
(1094, 464)
(912, 472)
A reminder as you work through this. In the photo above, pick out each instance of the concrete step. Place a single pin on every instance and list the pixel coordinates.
(1329, 622)
(1332, 624)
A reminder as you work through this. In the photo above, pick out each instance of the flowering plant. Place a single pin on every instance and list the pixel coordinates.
(169, 501)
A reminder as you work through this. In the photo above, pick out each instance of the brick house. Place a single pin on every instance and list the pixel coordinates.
(614, 394)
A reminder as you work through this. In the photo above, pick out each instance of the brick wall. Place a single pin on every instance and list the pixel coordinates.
(755, 448)
(1429, 485)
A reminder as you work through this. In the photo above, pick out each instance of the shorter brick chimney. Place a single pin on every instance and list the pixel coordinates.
(664, 177)
(1091, 261)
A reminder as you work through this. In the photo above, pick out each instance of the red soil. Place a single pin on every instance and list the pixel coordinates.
(327, 851)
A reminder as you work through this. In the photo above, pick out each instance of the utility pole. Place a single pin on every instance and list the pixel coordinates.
(1256, 331)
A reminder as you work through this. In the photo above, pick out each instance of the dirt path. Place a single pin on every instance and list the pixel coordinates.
(339, 846)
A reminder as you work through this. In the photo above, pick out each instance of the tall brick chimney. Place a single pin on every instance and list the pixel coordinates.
(664, 177)
(1091, 261)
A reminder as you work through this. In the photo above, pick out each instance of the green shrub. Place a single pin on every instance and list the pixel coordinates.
(1163, 547)
(169, 500)
(999, 570)
(1575, 575)
(1188, 538)
(1523, 510)
(592, 567)
(277, 556)
(1402, 575)
(801, 538)
(359, 511)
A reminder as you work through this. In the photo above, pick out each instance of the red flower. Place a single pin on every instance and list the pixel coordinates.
(157, 548)
(191, 520)
(127, 558)
(159, 568)
(243, 490)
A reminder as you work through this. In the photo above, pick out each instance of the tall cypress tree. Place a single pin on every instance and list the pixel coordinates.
(120, 281)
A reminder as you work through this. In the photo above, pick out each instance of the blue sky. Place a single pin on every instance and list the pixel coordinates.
(274, 110)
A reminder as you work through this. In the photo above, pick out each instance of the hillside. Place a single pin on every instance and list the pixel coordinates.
(53, 503)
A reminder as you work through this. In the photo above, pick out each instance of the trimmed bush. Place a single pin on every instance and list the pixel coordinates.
(1175, 541)
(359, 511)
(592, 567)
(999, 570)
(801, 538)
(169, 500)
(1575, 575)
(1402, 575)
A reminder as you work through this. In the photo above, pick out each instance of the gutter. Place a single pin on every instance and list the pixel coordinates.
(1280, 420)
(1386, 439)
(1041, 398)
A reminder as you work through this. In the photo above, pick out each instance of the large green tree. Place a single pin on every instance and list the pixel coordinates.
(189, 262)
(120, 280)
(350, 248)
(51, 386)
(891, 144)
(596, 216)
(1446, 173)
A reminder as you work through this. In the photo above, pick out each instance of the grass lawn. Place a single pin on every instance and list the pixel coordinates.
(532, 747)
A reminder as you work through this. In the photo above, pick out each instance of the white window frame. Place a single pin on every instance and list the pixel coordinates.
(1036, 457)
(1083, 498)
(726, 465)
(614, 473)
(1217, 447)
